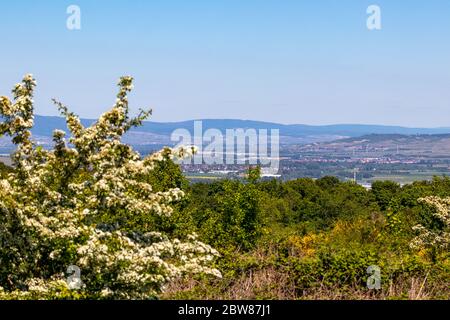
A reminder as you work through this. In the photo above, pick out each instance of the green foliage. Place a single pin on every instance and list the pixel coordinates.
(166, 174)
(317, 238)
(384, 192)
(4, 170)
(253, 174)
(344, 269)
(229, 214)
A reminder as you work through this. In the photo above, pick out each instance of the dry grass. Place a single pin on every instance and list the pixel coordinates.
(262, 278)
(266, 283)
(269, 283)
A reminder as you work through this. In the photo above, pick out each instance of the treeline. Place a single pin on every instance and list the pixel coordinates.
(309, 239)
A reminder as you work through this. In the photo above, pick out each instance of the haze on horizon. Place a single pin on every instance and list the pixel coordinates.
(290, 62)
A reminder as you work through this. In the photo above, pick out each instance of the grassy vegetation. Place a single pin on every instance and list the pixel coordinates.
(306, 239)
(314, 239)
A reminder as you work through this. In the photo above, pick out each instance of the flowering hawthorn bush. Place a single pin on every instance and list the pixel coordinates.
(71, 206)
(435, 238)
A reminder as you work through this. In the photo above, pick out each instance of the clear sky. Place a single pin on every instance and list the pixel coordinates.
(312, 62)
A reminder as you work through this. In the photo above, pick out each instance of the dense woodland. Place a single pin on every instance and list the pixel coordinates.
(310, 239)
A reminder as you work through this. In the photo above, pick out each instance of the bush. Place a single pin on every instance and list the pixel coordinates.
(88, 205)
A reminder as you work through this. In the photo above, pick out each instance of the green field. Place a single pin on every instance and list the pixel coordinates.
(409, 177)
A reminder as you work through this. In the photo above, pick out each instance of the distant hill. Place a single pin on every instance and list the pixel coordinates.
(158, 133)
(44, 125)
(426, 145)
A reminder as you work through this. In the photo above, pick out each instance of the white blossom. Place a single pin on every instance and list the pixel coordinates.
(433, 238)
(59, 198)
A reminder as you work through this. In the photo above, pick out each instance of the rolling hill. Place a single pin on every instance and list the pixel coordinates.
(418, 145)
(156, 134)
(44, 125)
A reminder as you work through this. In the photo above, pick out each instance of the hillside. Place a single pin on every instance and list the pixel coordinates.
(45, 125)
(426, 145)
(153, 135)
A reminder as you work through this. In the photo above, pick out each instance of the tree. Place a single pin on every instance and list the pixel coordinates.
(328, 182)
(72, 205)
(227, 214)
(253, 174)
(438, 237)
(384, 192)
(4, 170)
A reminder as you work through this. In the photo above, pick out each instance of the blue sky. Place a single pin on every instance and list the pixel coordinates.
(312, 62)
